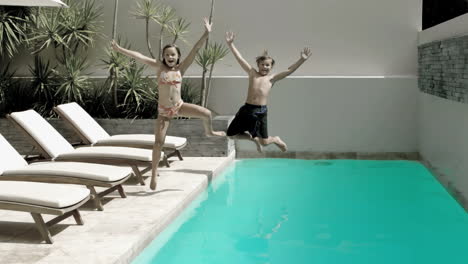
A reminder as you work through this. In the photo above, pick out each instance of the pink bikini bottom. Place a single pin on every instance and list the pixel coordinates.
(170, 112)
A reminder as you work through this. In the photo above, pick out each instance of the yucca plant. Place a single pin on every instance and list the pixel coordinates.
(43, 85)
(178, 29)
(17, 94)
(72, 83)
(148, 105)
(147, 10)
(218, 52)
(205, 61)
(19, 98)
(137, 93)
(114, 22)
(67, 28)
(97, 100)
(80, 23)
(48, 30)
(115, 63)
(13, 29)
(207, 58)
(165, 16)
(190, 93)
(6, 82)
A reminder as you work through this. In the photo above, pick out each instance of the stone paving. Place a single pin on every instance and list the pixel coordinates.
(120, 232)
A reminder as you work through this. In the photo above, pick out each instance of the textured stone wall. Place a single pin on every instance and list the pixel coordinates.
(198, 144)
(443, 68)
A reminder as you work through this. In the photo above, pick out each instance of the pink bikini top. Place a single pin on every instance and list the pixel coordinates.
(171, 79)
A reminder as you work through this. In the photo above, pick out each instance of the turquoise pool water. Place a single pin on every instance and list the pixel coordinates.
(303, 211)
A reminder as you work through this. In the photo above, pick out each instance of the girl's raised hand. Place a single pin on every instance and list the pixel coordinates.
(207, 25)
(229, 37)
(305, 54)
(114, 45)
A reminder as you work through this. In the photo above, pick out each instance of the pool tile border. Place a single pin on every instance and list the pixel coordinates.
(330, 155)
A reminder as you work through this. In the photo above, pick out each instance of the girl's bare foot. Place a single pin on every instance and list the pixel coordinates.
(153, 183)
(259, 145)
(280, 144)
(216, 134)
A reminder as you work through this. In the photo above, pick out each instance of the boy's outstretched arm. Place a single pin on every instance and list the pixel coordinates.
(305, 54)
(243, 63)
(191, 56)
(134, 54)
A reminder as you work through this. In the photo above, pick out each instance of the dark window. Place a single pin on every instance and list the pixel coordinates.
(439, 11)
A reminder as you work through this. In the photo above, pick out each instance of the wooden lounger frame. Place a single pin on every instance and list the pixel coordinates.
(89, 183)
(108, 161)
(37, 211)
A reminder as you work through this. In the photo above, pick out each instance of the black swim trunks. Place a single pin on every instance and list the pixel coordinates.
(250, 118)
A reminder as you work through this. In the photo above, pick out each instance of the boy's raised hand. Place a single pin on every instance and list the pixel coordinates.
(305, 54)
(207, 25)
(229, 37)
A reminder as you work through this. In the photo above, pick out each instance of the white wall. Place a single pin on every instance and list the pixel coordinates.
(361, 37)
(333, 114)
(449, 29)
(443, 124)
(443, 132)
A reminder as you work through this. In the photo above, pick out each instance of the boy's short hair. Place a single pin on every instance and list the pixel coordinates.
(171, 46)
(265, 57)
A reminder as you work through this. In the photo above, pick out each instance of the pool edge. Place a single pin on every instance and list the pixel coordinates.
(143, 242)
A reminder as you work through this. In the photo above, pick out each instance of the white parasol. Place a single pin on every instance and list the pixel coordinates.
(32, 3)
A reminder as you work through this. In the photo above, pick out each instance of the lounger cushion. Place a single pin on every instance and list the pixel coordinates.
(95, 134)
(109, 152)
(9, 157)
(91, 171)
(42, 194)
(143, 139)
(87, 126)
(58, 148)
(42, 132)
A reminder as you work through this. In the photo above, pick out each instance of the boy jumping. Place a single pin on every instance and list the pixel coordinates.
(250, 122)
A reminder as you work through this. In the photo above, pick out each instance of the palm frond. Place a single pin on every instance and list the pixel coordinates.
(43, 84)
(13, 29)
(178, 29)
(147, 9)
(166, 14)
(72, 81)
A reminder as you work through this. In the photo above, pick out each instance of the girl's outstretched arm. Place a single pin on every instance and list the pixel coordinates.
(191, 56)
(243, 63)
(305, 54)
(136, 55)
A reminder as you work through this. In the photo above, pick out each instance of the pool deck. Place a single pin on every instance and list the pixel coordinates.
(120, 232)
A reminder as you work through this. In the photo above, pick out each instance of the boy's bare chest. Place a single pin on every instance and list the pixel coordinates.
(260, 86)
(262, 83)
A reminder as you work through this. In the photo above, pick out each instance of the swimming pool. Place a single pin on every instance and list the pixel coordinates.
(305, 211)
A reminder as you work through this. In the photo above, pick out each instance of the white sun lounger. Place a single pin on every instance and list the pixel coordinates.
(14, 168)
(92, 133)
(43, 198)
(54, 146)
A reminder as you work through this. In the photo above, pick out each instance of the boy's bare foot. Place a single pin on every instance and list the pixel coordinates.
(153, 183)
(259, 145)
(280, 144)
(216, 134)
